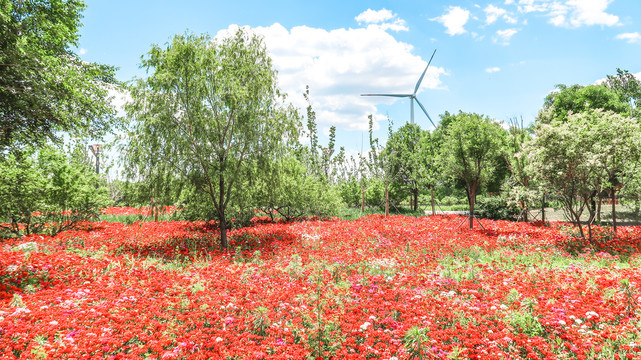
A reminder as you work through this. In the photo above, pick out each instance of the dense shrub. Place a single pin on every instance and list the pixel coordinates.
(496, 208)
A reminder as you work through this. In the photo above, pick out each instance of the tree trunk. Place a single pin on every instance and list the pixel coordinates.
(223, 231)
(363, 202)
(598, 210)
(411, 203)
(415, 199)
(386, 200)
(221, 212)
(432, 193)
(471, 199)
(614, 214)
(543, 209)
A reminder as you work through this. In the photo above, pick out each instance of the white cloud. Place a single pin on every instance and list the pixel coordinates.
(631, 38)
(510, 19)
(382, 17)
(492, 69)
(509, 2)
(82, 51)
(454, 20)
(572, 13)
(503, 36)
(339, 65)
(370, 16)
(591, 12)
(528, 6)
(492, 13)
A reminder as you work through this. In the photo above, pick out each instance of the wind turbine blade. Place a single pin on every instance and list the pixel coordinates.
(418, 84)
(392, 95)
(425, 111)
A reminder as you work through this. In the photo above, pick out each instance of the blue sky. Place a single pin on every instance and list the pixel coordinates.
(497, 58)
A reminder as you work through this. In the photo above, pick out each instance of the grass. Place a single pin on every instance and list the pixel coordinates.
(130, 219)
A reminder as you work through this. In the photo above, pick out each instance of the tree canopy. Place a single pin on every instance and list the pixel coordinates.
(577, 158)
(628, 87)
(211, 112)
(44, 87)
(469, 147)
(574, 99)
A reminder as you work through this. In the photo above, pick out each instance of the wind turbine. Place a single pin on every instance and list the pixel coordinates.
(412, 96)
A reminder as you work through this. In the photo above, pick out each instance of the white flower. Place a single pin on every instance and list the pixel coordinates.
(365, 325)
(591, 314)
(219, 339)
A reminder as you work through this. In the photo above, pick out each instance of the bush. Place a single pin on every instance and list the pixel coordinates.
(451, 200)
(350, 192)
(495, 208)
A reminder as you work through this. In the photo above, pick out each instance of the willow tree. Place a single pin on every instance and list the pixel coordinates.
(211, 112)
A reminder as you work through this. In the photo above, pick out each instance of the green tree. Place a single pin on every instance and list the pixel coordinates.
(382, 162)
(617, 147)
(44, 87)
(628, 87)
(320, 161)
(404, 143)
(559, 104)
(470, 145)
(286, 189)
(47, 191)
(428, 172)
(521, 192)
(578, 157)
(210, 112)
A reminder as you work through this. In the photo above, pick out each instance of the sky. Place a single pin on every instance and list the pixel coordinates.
(495, 58)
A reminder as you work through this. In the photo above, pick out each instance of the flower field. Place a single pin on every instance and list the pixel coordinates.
(373, 288)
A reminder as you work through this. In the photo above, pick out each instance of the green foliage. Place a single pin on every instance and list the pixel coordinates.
(44, 87)
(288, 190)
(299, 183)
(45, 191)
(628, 87)
(321, 162)
(375, 193)
(211, 115)
(414, 160)
(469, 151)
(576, 98)
(382, 163)
(350, 192)
(496, 208)
(576, 158)
(417, 342)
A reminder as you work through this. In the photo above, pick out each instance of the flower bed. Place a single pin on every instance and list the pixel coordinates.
(373, 288)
